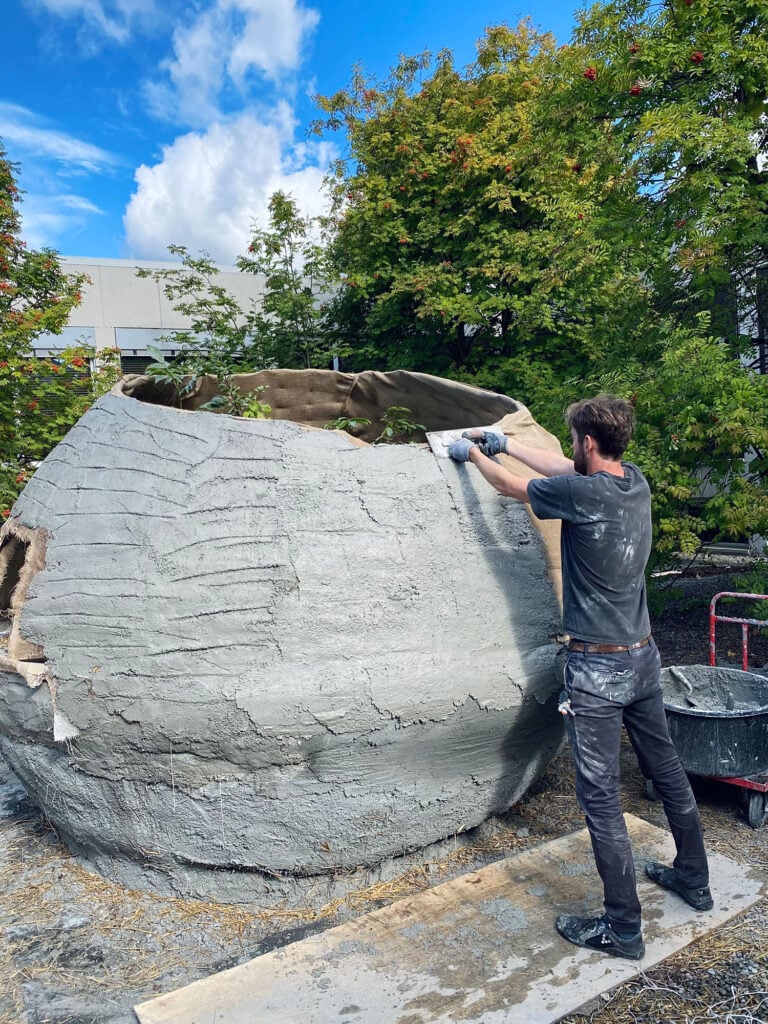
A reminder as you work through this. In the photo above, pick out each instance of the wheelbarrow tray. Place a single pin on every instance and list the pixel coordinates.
(718, 719)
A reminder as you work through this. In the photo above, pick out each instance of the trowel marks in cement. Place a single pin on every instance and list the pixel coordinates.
(273, 652)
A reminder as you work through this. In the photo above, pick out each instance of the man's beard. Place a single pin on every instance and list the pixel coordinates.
(580, 461)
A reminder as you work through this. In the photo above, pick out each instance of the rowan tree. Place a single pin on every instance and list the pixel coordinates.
(684, 85)
(555, 220)
(466, 222)
(39, 399)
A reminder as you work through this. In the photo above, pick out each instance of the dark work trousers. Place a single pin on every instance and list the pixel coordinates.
(606, 690)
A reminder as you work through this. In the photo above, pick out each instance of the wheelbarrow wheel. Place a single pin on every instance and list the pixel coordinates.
(756, 810)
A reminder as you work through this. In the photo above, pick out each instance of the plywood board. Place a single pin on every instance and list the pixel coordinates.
(480, 949)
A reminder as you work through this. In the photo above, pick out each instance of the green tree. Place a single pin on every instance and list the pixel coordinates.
(554, 221)
(684, 84)
(701, 439)
(292, 322)
(286, 327)
(39, 399)
(466, 219)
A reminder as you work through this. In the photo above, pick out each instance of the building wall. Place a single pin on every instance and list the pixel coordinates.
(123, 310)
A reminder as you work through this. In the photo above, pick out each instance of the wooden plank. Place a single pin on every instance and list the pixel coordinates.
(480, 949)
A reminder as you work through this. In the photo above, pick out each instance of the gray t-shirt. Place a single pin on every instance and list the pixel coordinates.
(605, 543)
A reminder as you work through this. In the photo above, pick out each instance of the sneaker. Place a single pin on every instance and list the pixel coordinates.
(699, 899)
(596, 933)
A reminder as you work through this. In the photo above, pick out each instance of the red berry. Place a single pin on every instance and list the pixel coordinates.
(634, 48)
(697, 57)
(635, 90)
(591, 74)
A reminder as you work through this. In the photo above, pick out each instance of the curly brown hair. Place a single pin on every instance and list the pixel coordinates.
(608, 420)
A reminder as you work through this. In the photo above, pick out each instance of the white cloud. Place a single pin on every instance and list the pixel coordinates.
(195, 74)
(272, 36)
(23, 131)
(222, 48)
(115, 19)
(49, 159)
(44, 217)
(210, 187)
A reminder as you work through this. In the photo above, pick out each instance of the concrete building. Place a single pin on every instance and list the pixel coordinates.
(130, 312)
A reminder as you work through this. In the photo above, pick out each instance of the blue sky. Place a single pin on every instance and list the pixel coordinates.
(139, 123)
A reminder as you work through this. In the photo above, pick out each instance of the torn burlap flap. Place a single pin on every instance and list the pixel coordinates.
(22, 557)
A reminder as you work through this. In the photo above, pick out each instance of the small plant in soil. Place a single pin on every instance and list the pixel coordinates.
(172, 372)
(238, 403)
(397, 424)
(352, 424)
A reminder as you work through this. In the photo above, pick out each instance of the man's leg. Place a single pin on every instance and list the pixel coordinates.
(646, 724)
(597, 686)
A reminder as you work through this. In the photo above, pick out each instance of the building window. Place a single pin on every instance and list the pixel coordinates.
(48, 345)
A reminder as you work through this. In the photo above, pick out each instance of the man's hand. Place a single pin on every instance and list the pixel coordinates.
(459, 450)
(489, 442)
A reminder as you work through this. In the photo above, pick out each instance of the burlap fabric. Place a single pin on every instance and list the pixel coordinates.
(316, 397)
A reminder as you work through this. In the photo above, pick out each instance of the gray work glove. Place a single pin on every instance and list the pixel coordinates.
(459, 450)
(490, 442)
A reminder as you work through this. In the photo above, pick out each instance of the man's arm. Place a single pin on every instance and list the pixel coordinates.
(539, 459)
(506, 483)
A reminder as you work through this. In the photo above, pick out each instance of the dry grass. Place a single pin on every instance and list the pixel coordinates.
(416, 879)
(128, 945)
(44, 887)
(723, 978)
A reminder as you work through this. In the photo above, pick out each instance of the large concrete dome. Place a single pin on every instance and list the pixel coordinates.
(245, 652)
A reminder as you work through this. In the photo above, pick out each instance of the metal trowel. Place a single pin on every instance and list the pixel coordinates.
(438, 440)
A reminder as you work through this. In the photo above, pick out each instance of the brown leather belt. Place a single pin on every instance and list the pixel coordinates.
(585, 648)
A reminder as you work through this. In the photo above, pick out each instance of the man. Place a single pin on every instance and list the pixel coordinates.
(612, 669)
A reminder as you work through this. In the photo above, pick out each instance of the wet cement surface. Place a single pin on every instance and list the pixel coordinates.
(715, 690)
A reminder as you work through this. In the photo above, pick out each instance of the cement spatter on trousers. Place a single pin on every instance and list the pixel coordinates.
(273, 654)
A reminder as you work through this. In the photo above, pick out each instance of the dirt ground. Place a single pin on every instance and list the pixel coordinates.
(80, 950)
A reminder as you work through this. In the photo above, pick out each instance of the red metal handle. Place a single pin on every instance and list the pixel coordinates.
(745, 624)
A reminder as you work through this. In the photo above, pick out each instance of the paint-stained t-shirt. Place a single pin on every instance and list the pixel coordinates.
(605, 543)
